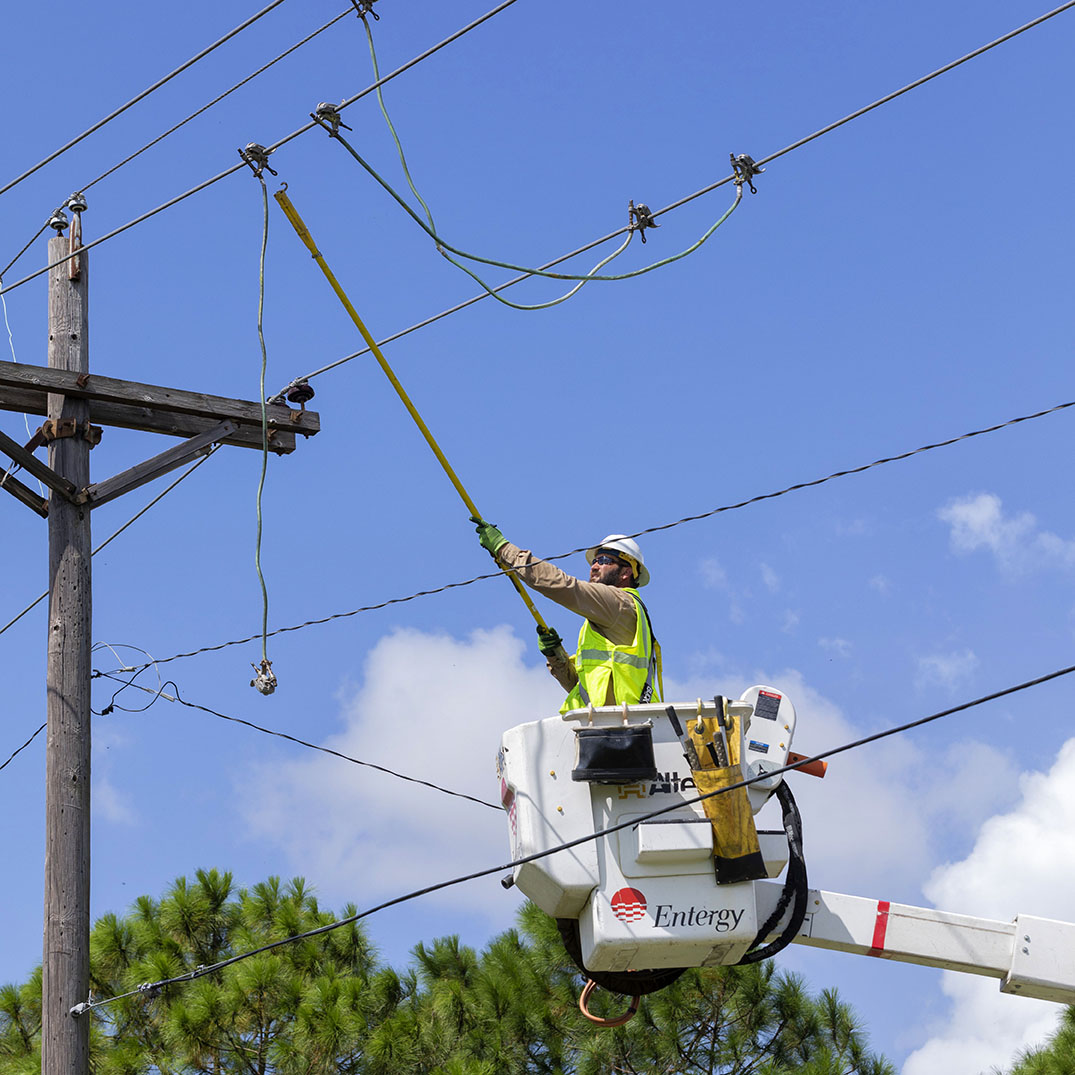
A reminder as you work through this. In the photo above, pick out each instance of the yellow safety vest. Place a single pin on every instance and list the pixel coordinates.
(634, 669)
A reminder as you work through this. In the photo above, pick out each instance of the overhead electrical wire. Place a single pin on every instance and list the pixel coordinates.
(152, 988)
(331, 123)
(24, 746)
(698, 193)
(649, 530)
(159, 693)
(141, 96)
(271, 149)
(597, 242)
(443, 245)
(115, 534)
(193, 115)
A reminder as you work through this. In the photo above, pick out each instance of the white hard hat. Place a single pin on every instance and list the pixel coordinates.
(625, 547)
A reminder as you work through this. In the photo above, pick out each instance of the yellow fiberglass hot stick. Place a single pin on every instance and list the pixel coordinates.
(304, 234)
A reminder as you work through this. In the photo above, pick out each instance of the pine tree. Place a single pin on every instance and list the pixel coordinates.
(324, 1005)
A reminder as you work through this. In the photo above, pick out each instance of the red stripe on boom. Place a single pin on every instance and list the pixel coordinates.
(880, 927)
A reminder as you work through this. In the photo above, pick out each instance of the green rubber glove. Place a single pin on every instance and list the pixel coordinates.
(490, 538)
(548, 640)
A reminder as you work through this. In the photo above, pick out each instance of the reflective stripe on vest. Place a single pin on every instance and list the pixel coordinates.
(632, 669)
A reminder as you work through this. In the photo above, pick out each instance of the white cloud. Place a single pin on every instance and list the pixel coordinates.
(838, 647)
(110, 804)
(945, 670)
(979, 522)
(881, 584)
(714, 577)
(770, 578)
(432, 707)
(1023, 862)
(791, 621)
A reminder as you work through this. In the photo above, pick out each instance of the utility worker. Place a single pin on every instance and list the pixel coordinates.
(618, 659)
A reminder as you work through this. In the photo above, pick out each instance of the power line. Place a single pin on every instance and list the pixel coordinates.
(24, 746)
(145, 93)
(171, 130)
(151, 988)
(597, 242)
(216, 100)
(159, 693)
(697, 194)
(271, 149)
(649, 530)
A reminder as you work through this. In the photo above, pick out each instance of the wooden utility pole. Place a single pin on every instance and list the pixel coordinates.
(65, 966)
(72, 399)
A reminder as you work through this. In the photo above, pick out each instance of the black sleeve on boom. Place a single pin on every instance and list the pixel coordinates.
(795, 886)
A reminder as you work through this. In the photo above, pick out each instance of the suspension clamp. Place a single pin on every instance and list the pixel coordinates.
(265, 680)
(641, 218)
(257, 157)
(745, 169)
(364, 8)
(327, 115)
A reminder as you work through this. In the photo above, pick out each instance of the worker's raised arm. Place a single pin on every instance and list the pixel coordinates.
(608, 608)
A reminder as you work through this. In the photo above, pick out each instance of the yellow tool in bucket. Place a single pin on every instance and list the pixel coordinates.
(716, 744)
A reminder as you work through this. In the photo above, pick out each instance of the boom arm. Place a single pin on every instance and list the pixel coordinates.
(1032, 957)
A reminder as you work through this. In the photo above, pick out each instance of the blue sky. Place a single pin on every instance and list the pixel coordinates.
(902, 280)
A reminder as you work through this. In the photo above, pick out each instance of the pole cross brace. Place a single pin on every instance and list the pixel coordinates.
(201, 444)
(32, 465)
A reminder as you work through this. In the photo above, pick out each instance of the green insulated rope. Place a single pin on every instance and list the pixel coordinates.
(265, 662)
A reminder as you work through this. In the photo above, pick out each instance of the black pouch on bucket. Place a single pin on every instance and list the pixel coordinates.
(616, 755)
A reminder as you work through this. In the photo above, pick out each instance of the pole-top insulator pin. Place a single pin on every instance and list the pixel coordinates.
(300, 393)
(59, 221)
(77, 202)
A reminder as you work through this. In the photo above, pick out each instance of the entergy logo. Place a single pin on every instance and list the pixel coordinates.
(628, 905)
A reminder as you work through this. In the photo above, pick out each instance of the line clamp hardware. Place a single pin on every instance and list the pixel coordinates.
(745, 169)
(265, 680)
(257, 157)
(328, 113)
(641, 218)
(364, 8)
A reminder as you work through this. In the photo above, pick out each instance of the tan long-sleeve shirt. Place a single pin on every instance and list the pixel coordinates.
(612, 612)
